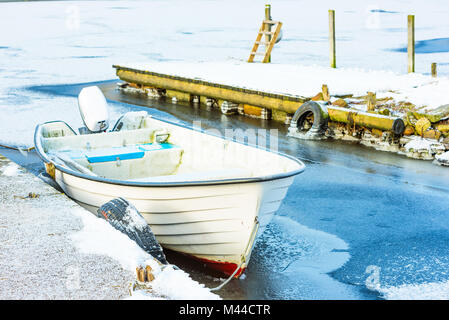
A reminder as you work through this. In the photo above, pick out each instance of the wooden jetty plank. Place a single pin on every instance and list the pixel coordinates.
(286, 103)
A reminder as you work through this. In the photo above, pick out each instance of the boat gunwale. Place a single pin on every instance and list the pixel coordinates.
(43, 156)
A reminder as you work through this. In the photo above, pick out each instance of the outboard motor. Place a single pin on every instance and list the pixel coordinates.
(93, 109)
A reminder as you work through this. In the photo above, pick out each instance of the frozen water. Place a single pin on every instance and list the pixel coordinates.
(11, 169)
(79, 41)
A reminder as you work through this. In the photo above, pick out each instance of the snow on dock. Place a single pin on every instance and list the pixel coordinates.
(51, 248)
(306, 81)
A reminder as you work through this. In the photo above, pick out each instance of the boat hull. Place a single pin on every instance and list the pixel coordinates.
(217, 224)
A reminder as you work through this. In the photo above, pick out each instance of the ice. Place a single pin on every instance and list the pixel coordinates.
(418, 144)
(79, 41)
(11, 169)
(423, 291)
(300, 259)
(443, 156)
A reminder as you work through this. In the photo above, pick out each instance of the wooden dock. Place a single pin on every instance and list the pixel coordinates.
(281, 102)
(281, 107)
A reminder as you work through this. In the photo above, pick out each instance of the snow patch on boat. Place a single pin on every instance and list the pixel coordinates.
(98, 237)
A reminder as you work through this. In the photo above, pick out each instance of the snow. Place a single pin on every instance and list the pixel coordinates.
(134, 219)
(11, 169)
(423, 291)
(444, 156)
(418, 143)
(100, 238)
(79, 41)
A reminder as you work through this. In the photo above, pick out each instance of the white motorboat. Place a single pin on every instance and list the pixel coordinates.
(202, 195)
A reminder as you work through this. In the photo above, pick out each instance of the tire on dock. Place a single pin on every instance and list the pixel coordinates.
(124, 217)
(309, 121)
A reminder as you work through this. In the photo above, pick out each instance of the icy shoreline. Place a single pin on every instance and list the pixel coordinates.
(54, 249)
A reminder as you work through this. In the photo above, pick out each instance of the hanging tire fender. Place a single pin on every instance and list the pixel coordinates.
(123, 216)
(320, 120)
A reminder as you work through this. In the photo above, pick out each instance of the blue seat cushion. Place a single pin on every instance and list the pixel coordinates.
(124, 153)
(113, 154)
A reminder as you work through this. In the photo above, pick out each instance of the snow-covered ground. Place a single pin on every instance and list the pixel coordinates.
(65, 42)
(51, 248)
(98, 237)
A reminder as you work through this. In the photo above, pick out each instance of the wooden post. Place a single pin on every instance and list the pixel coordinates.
(140, 274)
(268, 27)
(434, 70)
(411, 43)
(149, 273)
(325, 92)
(371, 101)
(332, 49)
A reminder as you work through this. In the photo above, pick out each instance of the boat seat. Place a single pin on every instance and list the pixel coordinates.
(228, 173)
(113, 154)
(117, 153)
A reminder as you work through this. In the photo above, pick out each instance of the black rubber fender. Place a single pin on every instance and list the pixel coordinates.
(398, 126)
(123, 216)
(320, 119)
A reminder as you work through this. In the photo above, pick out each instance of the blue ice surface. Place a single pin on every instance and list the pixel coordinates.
(429, 46)
(383, 11)
(398, 226)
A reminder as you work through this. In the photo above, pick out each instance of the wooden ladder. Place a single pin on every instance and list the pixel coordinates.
(269, 41)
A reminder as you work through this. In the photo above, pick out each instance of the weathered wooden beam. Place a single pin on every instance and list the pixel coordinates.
(411, 43)
(332, 46)
(434, 70)
(261, 99)
(364, 119)
(268, 27)
(371, 101)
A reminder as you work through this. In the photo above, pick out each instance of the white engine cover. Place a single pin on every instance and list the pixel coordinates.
(93, 108)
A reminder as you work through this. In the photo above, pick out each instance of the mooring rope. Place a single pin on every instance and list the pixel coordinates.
(16, 148)
(228, 279)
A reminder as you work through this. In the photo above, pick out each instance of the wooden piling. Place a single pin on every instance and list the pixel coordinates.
(268, 27)
(332, 47)
(411, 43)
(149, 274)
(371, 101)
(325, 92)
(140, 274)
(434, 70)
